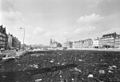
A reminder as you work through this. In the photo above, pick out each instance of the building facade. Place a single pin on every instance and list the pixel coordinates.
(3, 38)
(13, 42)
(87, 43)
(55, 44)
(111, 40)
(78, 44)
(10, 37)
(68, 44)
(97, 43)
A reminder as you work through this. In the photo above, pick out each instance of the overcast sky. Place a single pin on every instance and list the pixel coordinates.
(60, 19)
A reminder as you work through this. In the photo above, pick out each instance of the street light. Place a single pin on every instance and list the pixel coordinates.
(23, 35)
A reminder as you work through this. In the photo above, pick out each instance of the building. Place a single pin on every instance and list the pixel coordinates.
(97, 43)
(78, 44)
(55, 44)
(10, 37)
(111, 40)
(68, 44)
(117, 42)
(13, 42)
(87, 43)
(3, 38)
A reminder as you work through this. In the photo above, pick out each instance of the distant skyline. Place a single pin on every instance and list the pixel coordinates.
(59, 19)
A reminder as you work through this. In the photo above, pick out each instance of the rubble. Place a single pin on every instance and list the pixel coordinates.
(101, 71)
(92, 68)
(90, 76)
(38, 80)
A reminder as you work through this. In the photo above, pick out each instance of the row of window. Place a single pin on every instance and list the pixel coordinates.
(2, 42)
(2, 39)
(1, 34)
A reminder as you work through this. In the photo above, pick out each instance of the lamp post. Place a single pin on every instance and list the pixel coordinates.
(23, 35)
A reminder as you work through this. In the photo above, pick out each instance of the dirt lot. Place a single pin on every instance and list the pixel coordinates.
(63, 66)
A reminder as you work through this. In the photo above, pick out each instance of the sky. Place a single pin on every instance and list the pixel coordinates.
(61, 20)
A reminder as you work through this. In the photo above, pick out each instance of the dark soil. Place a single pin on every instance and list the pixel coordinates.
(62, 66)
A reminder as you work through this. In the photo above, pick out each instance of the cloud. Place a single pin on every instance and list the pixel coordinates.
(10, 15)
(75, 18)
(11, 18)
(7, 5)
(38, 30)
(87, 23)
(117, 29)
(86, 26)
(89, 19)
(57, 35)
(84, 29)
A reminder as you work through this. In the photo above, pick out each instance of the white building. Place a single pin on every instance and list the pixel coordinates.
(111, 40)
(96, 43)
(87, 43)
